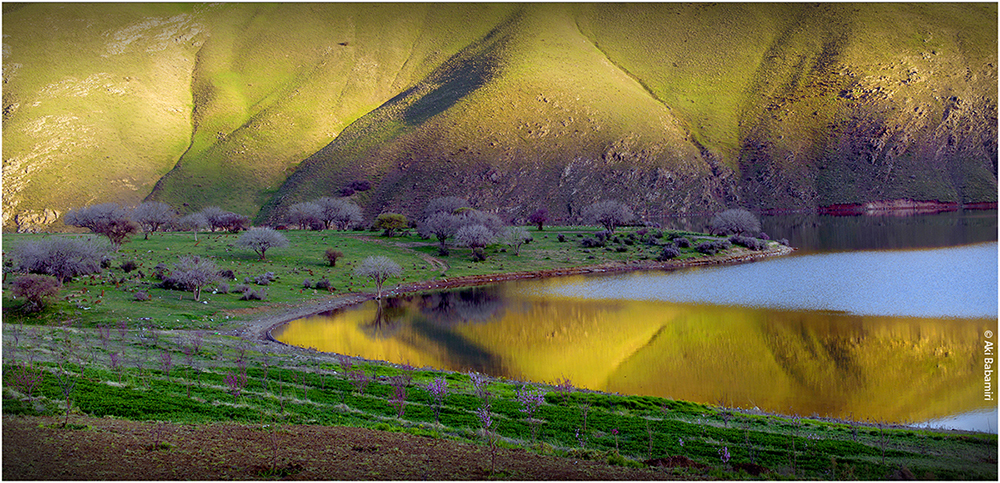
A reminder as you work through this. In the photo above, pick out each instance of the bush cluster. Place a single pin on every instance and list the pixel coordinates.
(265, 278)
(251, 294)
(36, 290)
(749, 242)
(323, 284)
(712, 247)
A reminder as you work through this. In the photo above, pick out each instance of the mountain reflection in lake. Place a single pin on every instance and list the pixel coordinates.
(824, 362)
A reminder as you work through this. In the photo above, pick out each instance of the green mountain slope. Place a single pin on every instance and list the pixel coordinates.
(670, 107)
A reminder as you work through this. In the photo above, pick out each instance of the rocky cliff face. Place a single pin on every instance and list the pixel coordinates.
(672, 108)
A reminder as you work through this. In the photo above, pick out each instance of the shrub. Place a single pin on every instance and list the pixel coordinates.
(159, 271)
(251, 294)
(783, 241)
(682, 242)
(222, 287)
(323, 284)
(264, 279)
(227, 274)
(712, 247)
(262, 239)
(735, 221)
(37, 290)
(141, 296)
(63, 258)
(306, 284)
(128, 266)
(749, 242)
(345, 192)
(478, 254)
(332, 256)
(561, 238)
(360, 185)
(668, 253)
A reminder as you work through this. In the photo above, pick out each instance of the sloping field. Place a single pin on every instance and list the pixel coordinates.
(670, 107)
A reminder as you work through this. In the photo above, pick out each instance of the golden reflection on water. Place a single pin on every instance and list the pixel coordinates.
(803, 362)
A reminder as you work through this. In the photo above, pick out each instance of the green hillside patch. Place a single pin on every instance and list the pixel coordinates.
(672, 108)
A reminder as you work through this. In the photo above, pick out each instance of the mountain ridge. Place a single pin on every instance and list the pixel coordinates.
(672, 108)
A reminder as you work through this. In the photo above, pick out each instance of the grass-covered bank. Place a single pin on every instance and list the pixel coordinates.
(110, 295)
(171, 358)
(199, 377)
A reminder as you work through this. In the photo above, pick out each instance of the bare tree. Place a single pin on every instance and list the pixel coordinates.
(440, 225)
(378, 269)
(195, 272)
(515, 236)
(736, 221)
(262, 239)
(63, 258)
(234, 222)
(610, 214)
(194, 222)
(475, 237)
(153, 215)
(339, 212)
(304, 214)
(108, 219)
(445, 204)
(220, 219)
(490, 221)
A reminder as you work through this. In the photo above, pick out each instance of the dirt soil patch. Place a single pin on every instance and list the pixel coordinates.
(35, 448)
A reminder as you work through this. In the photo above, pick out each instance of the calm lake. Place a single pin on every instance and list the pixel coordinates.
(880, 318)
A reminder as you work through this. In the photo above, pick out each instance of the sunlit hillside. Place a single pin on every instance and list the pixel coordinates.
(670, 107)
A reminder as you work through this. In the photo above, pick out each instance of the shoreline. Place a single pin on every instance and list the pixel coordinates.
(259, 329)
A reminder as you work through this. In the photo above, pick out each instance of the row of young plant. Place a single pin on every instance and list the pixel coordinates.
(136, 373)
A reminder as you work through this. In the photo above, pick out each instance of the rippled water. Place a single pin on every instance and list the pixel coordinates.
(956, 282)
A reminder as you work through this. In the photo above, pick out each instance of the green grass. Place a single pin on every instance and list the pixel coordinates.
(314, 390)
(110, 295)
